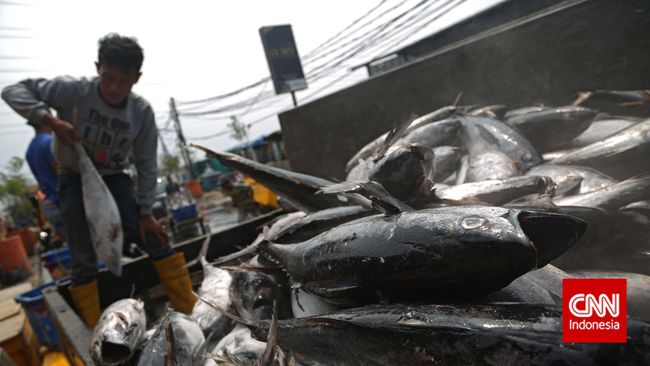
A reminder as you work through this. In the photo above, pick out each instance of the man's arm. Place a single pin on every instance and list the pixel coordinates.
(145, 147)
(32, 99)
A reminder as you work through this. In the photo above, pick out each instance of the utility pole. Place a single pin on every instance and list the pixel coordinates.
(181, 138)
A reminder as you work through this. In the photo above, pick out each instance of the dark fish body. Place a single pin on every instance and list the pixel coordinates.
(118, 332)
(638, 290)
(565, 177)
(602, 129)
(445, 252)
(253, 293)
(621, 156)
(614, 241)
(612, 197)
(480, 133)
(439, 133)
(180, 332)
(525, 290)
(497, 192)
(298, 189)
(373, 146)
(459, 334)
(238, 347)
(318, 222)
(553, 128)
(402, 171)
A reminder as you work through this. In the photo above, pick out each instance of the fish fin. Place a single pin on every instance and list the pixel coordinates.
(393, 135)
(246, 268)
(457, 100)
(582, 97)
(250, 249)
(271, 341)
(380, 199)
(295, 294)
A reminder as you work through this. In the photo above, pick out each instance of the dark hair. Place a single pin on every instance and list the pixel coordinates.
(122, 52)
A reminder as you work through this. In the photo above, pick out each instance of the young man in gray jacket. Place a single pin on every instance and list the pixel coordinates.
(111, 122)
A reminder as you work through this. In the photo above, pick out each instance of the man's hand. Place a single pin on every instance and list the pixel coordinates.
(63, 130)
(149, 225)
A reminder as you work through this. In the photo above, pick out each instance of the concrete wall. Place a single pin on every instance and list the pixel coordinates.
(573, 46)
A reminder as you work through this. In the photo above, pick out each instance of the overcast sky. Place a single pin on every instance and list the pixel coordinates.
(199, 49)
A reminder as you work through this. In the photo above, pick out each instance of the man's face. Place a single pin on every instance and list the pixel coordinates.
(114, 83)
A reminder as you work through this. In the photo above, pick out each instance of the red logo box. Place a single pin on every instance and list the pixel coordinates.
(594, 310)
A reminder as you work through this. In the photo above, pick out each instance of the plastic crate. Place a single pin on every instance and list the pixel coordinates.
(57, 262)
(185, 213)
(39, 318)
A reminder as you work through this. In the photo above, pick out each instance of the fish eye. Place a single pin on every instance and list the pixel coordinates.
(526, 157)
(472, 222)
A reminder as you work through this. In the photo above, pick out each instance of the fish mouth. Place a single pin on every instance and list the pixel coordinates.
(552, 234)
(262, 303)
(114, 353)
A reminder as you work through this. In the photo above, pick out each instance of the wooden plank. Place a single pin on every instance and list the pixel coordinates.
(74, 336)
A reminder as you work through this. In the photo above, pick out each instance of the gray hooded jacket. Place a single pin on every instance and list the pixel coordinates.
(108, 134)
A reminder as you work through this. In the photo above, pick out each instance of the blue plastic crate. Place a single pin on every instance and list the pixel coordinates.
(185, 213)
(43, 325)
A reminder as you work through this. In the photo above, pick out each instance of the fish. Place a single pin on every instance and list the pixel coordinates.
(439, 133)
(373, 146)
(553, 128)
(118, 333)
(102, 214)
(481, 134)
(304, 304)
(523, 289)
(612, 197)
(490, 165)
(495, 111)
(638, 289)
(296, 188)
(498, 191)
(403, 170)
(620, 156)
(601, 129)
(636, 98)
(253, 293)
(447, 252)
(614, 240)
(215, 287)
(298, 226)
(523, 110)
(176, 341)
(238, 347)
(443, 334)
(445, 162)
(568, 177)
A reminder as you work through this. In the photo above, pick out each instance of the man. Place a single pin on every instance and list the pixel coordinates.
(112, 123)
(241, 196)
(41, 162)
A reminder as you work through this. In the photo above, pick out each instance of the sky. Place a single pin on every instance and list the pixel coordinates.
(200, 49)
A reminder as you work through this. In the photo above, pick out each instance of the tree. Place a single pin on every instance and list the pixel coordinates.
(14, 194)
(169, 164)
(238, 130)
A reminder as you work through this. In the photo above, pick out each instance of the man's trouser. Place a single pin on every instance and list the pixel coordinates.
(82, 252)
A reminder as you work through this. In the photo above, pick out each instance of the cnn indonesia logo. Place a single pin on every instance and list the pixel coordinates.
(594, 310)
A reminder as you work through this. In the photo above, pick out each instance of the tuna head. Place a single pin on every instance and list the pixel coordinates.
(551, 233)
(253, 293)
(119, 330)
(403, 170)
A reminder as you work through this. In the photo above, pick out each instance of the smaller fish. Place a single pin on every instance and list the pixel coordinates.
(176, 341)
(631, 98)
(490, 165)
(118, 332)
(568, 176)
(612, 197)
(498, 191)
(554, 128)
(602, 129)
(215, 287)
(524, 110)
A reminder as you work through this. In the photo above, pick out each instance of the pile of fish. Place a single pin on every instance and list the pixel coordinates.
(446, 244)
